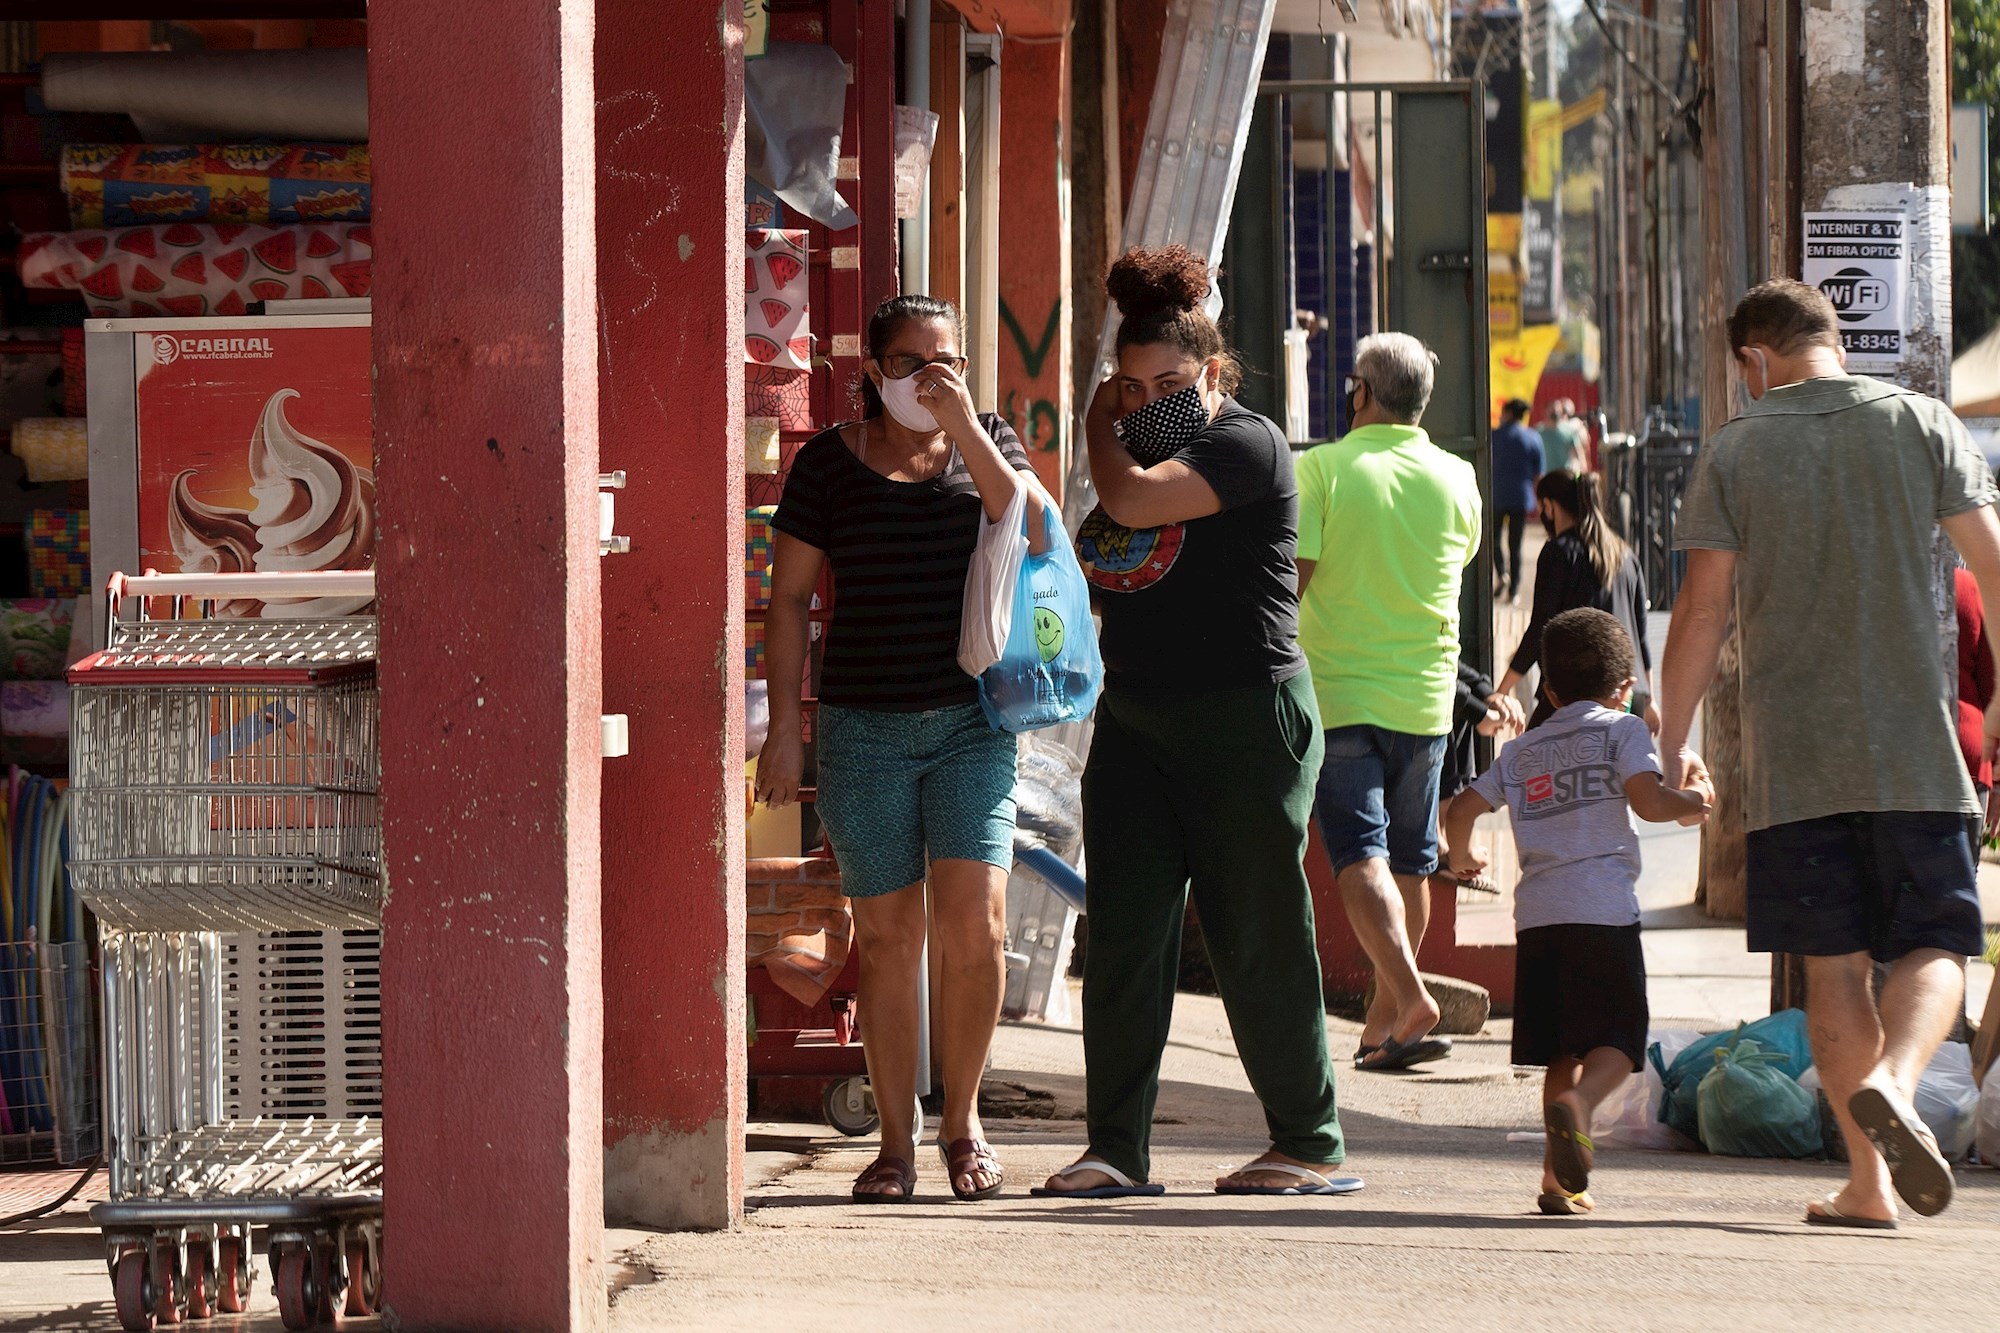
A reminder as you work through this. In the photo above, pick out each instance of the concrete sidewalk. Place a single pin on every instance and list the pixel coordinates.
(1443, 1237)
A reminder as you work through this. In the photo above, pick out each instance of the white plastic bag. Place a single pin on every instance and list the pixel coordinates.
(1989, 1117)
(1630, 1116)
(990, 582)
(1948, 1100)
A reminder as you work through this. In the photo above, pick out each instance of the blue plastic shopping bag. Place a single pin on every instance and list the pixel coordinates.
(1050, 672)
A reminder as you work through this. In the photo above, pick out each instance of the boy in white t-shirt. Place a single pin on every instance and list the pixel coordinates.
(1573, 785)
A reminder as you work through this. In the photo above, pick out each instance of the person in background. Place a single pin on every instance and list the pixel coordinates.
(1388, 523)
(1584, 563)
(913, 784)
(1573, 787)
(1565, 443)
(1201, 767)
(1975, 693)
(1810, 521)
(1517, 462)
(1478, 709)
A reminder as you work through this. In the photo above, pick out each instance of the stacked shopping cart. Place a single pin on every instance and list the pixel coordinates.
(225, 829)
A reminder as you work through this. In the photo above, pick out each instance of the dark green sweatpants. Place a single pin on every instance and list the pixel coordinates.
(1211, 792)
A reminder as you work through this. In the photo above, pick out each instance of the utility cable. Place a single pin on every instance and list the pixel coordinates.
(89, 1170)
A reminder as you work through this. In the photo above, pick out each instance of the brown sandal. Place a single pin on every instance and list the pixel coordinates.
(965, 1157)
(886, 1171)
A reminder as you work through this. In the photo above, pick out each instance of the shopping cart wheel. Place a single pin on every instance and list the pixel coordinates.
(232, 1274)
(326, 1282)
(131, 1291)
(168, 1286)
(363, 1282)
(850, 1107)
(298, 1300)
(200, 1278)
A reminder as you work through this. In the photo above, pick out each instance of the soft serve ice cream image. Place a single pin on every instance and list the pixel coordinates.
(313, 510)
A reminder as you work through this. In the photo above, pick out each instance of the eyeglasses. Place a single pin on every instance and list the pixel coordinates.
(902, 367)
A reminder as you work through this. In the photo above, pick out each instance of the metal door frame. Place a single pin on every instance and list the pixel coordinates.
(1401, 281)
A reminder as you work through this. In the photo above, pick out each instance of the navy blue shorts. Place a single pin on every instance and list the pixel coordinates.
(1377, 798)
(1883, 884)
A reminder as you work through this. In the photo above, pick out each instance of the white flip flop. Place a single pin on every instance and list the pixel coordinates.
(1125, 1188)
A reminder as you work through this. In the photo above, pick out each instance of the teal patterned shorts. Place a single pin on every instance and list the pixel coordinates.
(900, 790)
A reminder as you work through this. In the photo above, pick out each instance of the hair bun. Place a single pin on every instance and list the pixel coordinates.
(1147, 282)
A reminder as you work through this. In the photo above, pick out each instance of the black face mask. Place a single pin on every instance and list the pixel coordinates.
(1163, 427)
(1548, 525)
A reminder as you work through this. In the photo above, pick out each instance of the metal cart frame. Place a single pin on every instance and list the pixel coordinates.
(226, 831)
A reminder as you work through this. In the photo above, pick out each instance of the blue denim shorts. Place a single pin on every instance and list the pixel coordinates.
(900, 790)
(1377, 798)
(1882, 884)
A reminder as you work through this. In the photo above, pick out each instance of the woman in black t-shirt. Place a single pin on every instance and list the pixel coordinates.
(1206, 747)
(913, 784)
(1583, 564)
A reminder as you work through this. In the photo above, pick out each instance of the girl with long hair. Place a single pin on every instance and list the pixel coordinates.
(1583, 563)
(914, 788)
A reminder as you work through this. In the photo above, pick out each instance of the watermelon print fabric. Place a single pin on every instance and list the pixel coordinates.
(184, 270)
(775, 332)
(138, 185)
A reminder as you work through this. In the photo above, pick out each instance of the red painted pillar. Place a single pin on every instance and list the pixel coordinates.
(1034, 252)
(486, 433)
(670, 231)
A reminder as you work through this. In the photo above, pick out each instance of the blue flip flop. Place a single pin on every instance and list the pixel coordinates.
(1126, 1188)
(1310, 1181)
(1394, 1055)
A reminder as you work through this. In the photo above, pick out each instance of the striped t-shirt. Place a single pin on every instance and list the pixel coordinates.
(900, 551)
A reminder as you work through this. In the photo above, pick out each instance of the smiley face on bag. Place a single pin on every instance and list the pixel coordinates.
(1048, 633)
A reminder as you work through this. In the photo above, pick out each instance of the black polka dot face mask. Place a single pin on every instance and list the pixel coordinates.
(1163, 427)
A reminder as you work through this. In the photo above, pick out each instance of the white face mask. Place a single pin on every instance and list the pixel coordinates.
(900, 397)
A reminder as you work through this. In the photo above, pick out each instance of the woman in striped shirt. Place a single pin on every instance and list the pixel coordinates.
(913, 784)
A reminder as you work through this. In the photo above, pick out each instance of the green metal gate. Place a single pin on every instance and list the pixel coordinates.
(1422, 147)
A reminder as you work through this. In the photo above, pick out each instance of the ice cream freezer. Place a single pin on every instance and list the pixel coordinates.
(239, 445)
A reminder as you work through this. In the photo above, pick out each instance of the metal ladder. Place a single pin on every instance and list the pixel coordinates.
(1211, 60)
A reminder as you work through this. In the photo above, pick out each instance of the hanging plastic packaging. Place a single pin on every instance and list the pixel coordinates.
(1748, 1106)
(1050, 671)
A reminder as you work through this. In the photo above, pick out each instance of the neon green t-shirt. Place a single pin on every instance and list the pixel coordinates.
(1390, 521)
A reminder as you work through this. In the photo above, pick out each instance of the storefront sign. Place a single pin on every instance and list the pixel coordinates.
(1861, 261)
(256, 452)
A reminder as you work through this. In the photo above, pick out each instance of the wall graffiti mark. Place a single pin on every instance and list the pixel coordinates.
(1039, 426)
(1032, 357)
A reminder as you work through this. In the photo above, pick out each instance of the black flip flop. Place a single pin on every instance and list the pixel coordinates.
(1554, 1203)
(1393, 1055)
(1364, 1050)
(1567, 1145)
(1918, 1170)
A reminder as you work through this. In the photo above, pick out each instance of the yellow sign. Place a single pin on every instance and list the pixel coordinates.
(1518, 364)
(1545, 148)
(756, 28)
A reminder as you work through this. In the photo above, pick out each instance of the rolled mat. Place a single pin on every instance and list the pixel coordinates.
(136, 185)
(54, 448)
(193, 96)
(188, 269)
(76, 387)
(35, 637)
(37, 708)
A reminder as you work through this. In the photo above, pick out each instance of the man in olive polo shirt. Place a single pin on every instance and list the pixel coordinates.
(1387, 523)
(1810, 521)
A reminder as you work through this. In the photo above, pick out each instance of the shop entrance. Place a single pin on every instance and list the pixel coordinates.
(1362, 207)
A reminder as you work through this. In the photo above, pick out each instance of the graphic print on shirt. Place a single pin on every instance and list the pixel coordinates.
(1565, 772)
(1116, 558)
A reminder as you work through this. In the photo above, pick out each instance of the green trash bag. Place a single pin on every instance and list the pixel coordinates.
(1748, 1106)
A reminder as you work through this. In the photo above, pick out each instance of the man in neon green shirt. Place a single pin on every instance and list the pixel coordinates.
(1387, 523)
